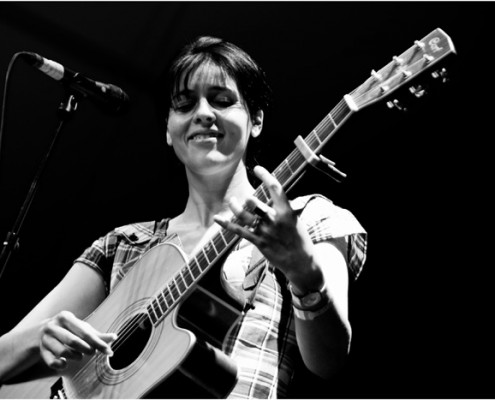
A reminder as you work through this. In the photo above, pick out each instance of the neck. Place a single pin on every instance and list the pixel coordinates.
(209, 195)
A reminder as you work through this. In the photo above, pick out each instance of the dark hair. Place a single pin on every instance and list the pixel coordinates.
(234, 61)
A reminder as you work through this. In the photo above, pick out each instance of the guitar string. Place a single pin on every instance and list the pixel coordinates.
(132, 327)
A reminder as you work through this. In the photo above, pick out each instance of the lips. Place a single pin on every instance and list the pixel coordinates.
(205, 135)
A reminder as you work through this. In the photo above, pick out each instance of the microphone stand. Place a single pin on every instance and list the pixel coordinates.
(11, 243)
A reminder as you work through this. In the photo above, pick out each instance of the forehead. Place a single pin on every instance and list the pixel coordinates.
(204, 76)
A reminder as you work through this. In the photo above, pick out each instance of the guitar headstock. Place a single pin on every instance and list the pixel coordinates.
(426, 55)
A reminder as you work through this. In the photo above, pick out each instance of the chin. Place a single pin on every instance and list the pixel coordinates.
(216, 164)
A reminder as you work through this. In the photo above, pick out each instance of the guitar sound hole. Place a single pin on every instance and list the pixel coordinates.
(132, 339)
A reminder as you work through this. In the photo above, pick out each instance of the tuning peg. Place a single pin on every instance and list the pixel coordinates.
(428, 58)
(405, 73)
(417, 91)
(419, 45)
(440, 74)
(396, 104)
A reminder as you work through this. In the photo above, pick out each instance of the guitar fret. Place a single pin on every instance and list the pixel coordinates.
(198, 267)
(156, 309)
(262, 192)
(211, 250)
(314, 133)
(171, 288)
(330, 117)
(151, 313)
(342, 113)
(221, 235)
(288, 165)
(161, 301)
(202, 262)
(324, 132)
(283, 175)
(214, 247)
(164, 298)
(295, 159)
(175, 287)
(206, 255)
(180, 283)
(187, 275)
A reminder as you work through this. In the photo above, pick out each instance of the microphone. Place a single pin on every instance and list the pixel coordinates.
(109, 97)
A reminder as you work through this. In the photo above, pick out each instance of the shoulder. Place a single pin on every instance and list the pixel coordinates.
(326, 221)
(138, 232)
(130, 235)
(316, 208)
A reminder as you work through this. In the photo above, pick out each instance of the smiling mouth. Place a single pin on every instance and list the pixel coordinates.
(205, 136)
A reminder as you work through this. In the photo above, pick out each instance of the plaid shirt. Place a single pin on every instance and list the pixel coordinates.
(264, 342)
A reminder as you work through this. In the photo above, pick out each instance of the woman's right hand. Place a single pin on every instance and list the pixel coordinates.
(65, 337)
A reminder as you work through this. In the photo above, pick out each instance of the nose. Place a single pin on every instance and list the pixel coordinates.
(204, 113)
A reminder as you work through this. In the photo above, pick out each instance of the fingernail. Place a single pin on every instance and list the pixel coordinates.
(219, 219)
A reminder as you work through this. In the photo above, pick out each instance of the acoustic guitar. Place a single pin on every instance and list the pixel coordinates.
(169, 320)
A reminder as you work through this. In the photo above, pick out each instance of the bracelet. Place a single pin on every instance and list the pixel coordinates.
(310, 315)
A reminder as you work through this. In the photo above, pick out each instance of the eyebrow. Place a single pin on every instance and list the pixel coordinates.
(216, 88)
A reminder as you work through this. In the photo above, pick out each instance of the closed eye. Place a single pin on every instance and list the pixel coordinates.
(222, 102)
(183, 104)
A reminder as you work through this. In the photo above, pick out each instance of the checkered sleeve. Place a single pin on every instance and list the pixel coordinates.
(100, 254)
(326, 221)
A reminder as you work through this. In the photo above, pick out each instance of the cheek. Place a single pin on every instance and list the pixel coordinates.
(238, 123)
(174, 129)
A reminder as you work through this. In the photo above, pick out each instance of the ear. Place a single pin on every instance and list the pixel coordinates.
(169, 139)
(257, 121)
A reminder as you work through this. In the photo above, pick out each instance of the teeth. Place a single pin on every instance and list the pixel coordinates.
(203, 137)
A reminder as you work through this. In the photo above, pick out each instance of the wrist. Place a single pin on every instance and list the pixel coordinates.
(304, 280)
(311, 304)
(310, 297)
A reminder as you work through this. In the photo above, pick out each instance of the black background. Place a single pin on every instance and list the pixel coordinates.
(418, 181)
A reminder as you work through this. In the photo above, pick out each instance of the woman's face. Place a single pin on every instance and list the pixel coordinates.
(209, 124)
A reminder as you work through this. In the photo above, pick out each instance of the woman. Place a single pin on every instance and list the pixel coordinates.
(217, 100)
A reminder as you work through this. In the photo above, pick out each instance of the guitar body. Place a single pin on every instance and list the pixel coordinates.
(37, 389)
(147, 355)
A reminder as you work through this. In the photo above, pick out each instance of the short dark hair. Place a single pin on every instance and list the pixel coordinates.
(235, 62)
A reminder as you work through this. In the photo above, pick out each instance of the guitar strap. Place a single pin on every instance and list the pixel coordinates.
(254, 275)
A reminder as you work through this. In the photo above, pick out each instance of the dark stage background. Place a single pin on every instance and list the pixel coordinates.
(421, 310)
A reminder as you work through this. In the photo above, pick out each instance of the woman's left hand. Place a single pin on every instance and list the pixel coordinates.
(277, 232)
